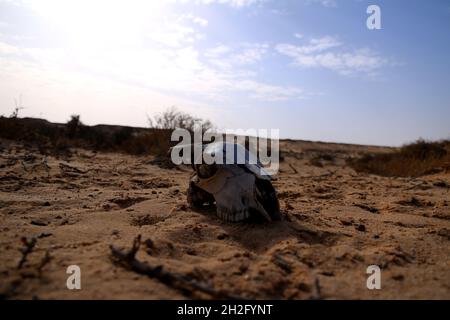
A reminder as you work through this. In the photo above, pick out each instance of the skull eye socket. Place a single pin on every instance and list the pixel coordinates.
(205, 171)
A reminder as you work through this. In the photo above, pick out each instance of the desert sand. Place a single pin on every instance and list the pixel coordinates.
(336, 222)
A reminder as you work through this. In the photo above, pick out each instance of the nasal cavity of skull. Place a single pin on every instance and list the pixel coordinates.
(206, 171)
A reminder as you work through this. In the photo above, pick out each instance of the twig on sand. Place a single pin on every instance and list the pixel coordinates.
(282, 263)
(31, 168)
(26, 250)
(293, 168)
(24, 166)
(46, 166)
(177, 281)
(71, 170)
(317, 292)
(45, 260)
(320, 176)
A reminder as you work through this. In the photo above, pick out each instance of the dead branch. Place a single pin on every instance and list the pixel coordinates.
(23, 166)
(293, 168)
(320, 176)
(317, 291)
(31, 168)
(46, 166)
(281, 262)
(26, 250)
(45, 260)
(176, 281)
(68, 169)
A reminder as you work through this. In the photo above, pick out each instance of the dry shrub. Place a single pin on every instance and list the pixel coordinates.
(172, 119)
(74, 126)
(152, 141)
(52, 138)
(319, 159)
(43, 134)
(162, 126)
(412, 160)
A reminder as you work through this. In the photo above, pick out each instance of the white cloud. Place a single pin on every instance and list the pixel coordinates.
(181, 71)
(268, 92)
(173, 34)
(244, 54)
(163, 59)
(55, 94)
(317, 45)
(325, 3)
(217, 51)
(232, 3)
(321, 53)
(7, 49)
(4, 24)
(197, 20)
(252, 53)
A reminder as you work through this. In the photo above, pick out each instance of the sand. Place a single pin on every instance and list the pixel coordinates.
(336, 223)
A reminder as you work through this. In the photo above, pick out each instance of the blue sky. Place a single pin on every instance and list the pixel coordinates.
(310, 68)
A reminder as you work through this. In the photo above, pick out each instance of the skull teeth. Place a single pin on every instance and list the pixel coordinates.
(236, 216)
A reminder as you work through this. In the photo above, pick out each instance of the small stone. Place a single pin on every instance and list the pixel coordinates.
(361, 228)
(444, 233)
(398, 277)
(191, 252)
(45, 235)
(441, 184)
(304, 287)
(39, 222)
(180, 207)
(289, 206)
(346, 222)
(243, 268)
(222, 236)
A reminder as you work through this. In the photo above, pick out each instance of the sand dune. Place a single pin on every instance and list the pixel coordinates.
(336, 223)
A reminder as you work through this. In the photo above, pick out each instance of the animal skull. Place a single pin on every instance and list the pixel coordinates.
(240, 191)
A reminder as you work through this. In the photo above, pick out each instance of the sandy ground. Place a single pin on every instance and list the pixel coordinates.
(335, 224)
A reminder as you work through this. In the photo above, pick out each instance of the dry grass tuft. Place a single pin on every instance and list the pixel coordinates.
(412, 160)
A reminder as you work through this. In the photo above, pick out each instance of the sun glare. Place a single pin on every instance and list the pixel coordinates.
(102, 23)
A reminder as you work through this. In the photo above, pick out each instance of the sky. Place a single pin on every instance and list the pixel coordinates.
(310, 68)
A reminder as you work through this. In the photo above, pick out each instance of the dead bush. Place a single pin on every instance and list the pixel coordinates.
(52, 138)
(412, 160)
(172, 119)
